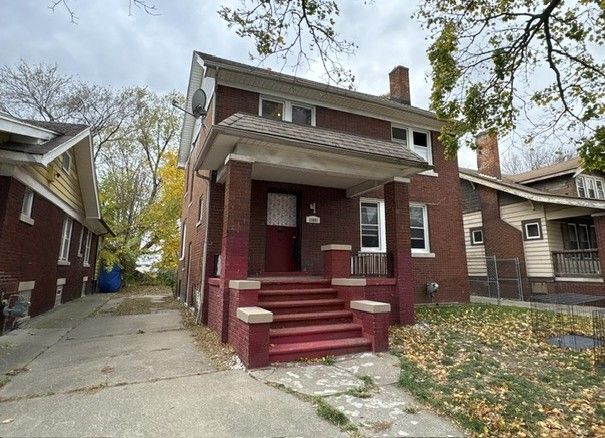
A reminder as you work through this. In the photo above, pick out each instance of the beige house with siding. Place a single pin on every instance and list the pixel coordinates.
(551, 219)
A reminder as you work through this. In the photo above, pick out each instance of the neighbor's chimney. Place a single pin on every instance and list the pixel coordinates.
(488, 156)
(399, 80)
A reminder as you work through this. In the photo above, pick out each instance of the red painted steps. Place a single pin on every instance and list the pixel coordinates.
(297, 350)
(303, 306)
(265, 296)
(314, 318)
(315, 333)
(278, 283)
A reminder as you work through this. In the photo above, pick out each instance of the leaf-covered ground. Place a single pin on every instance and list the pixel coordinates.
(482, 366)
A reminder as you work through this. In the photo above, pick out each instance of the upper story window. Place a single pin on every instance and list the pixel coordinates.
(590, 187)
(66, 162)
(27, 204)
(418, 140)
(281, 109)
(65, 239)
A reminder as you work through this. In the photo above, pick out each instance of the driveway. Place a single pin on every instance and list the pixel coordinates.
(125, 365)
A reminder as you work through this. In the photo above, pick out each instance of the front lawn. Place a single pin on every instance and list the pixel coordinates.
(480, 365)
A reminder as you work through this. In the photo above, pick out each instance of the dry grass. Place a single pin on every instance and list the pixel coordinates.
(221, 355)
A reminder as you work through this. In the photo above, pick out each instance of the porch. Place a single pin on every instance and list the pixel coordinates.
(293, 279)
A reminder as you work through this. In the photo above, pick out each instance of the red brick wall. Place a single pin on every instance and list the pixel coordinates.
(441, 194)
(30, 252)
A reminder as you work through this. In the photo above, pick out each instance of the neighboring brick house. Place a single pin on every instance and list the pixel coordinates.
(302, 199)
(50, 220)
(552, 219)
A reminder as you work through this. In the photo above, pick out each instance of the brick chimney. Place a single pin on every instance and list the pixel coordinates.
(488, 156)
(399, 81)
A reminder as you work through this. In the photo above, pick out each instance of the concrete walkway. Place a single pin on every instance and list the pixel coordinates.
(80, 371)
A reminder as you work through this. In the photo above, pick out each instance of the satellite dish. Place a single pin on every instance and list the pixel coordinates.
(198, 103)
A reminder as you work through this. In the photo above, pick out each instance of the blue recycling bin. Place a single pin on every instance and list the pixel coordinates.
(110, 281)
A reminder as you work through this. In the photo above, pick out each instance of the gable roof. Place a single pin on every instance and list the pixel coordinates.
(322, 137)
(557, 169)
(38, 143)
(509, 186)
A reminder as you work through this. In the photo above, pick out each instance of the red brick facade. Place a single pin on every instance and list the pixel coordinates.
(30, 252)
(446, 264)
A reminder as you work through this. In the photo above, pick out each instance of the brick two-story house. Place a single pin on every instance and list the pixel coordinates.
(551, 219)
(302, 199)
(50, 221)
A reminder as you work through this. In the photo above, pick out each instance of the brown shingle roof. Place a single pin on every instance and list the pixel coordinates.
(322, 137)
(567, 166)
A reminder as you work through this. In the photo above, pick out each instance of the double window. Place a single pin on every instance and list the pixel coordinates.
(590, 187)
(280, 109)
(416, 139)
(65, 239)
(373, 229)
(579, 236)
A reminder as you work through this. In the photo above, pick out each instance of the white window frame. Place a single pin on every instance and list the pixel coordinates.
(87, 248)
(584, 183)
(475, 241)
(530, 223)
(66, 157)
(27, 206)
(287, 107)
(80, 253)
(429, 146)
(425, 221)
(183, 239)
(66, 233)
(381, 225)
(200, 208)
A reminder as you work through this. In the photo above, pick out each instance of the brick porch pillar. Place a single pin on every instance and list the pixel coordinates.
(397, 218)
(236, 231)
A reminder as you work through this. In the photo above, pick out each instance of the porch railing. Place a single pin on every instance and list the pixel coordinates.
(577, 263)
(371, 264)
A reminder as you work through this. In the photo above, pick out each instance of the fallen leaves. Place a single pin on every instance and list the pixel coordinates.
(482, 366)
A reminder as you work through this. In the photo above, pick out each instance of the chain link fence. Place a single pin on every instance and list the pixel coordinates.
(498, 278)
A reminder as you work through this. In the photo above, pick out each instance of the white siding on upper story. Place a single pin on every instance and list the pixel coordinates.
(475, 254)
(537, 252)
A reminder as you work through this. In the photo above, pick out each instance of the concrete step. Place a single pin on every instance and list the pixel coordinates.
(296, 294)
(310, 319)
(334, 347)
(314, 333)
(303, 306)
(294, 283)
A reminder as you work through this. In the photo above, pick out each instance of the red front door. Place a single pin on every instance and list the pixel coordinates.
(281, 243)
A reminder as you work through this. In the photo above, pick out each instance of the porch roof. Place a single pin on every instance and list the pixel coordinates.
(288, 152)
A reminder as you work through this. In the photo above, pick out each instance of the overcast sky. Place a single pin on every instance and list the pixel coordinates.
(110, 47)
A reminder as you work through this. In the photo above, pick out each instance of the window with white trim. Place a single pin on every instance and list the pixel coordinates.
(66, 163)
(372, 225)
(200, 209)
(87, 247)
(27, 204)
(281, 109)
(65, 239)
(476, 236)
(421, 144)
(183, 236)
(532, 229)
(419, 228)
(82, 242)
(591, 187)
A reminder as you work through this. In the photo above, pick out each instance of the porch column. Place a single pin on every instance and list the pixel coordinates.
(236, 231)
(397, 220)
(599, 225)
